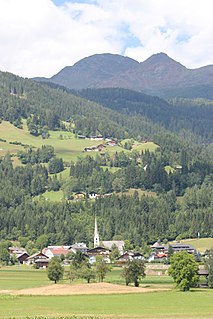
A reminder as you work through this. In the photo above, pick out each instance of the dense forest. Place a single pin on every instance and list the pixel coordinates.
(183, 204)
(138, 220)
(191, 118)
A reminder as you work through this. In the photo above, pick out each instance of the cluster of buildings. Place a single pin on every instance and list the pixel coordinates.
(160, 251)
(100, 147)
(41, 259)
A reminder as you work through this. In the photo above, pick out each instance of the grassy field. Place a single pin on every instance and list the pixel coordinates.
(64, 143)
(168, 304)
(172, 304)
(21, 278)
(200, 244)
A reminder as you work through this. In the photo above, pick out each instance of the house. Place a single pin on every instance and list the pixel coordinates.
(112, 143)
(128, 256)
(79, 195)
(98, 251)
(100, 147)
(96, 148)
(96, 137)
(79, 247)
(92, 195)
(39, 259)
(177, 247)
(183, 247)
(56, 251)
(16, 250)
(158, 246)
(110, 243)
(20, 254)
(22, 257)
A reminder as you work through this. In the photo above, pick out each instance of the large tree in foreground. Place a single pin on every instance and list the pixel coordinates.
(54, 270)
(184, 270)
(134, 271)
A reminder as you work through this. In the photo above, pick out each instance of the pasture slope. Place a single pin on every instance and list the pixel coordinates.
(65, 144)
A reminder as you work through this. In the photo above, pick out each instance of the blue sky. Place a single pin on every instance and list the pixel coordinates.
(40, 37)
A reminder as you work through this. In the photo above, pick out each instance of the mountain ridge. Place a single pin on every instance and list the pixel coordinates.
(158, 75)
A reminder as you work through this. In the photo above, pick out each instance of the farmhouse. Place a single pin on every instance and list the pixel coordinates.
(39, 259)
(98, 251)
(96, 137)
(110, 243)
(97, 148)
(112, 143)
(93, 195)
(79, 195)
(22, 257)
(56, 252)
(79, 247)
(158, 247)
(128, 256)
(16, 250)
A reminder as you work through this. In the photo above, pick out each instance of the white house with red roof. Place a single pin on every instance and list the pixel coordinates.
(56, 251)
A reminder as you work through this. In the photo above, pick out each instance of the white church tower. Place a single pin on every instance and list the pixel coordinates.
(96, 235)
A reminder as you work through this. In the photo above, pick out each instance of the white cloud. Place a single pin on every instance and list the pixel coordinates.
(39, 38)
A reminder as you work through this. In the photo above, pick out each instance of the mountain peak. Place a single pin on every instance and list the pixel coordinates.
(162, 59)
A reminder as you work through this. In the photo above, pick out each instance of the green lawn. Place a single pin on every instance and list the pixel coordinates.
(172, 304)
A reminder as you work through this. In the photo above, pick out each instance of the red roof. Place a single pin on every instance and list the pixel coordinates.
(57, 251)
(161, 255)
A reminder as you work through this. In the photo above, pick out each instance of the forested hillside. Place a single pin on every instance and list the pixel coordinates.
(178, 171)
(20, 98)
(122, 217)
(188, 117)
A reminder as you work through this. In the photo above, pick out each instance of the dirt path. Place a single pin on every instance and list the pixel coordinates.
(82, 289)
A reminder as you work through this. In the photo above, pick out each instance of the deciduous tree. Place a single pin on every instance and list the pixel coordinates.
(134, 271)
(54, 270)
(184, 270)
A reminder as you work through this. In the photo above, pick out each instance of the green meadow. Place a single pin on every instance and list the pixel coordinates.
(168, 304)
(163, 304)
(65, 144)
(23, 277)
(20, 277)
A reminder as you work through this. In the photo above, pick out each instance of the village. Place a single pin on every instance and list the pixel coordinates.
(159, 252)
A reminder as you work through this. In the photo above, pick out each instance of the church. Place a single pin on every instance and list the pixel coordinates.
(103, 248)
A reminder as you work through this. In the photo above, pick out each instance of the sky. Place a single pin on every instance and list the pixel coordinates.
(40, 37)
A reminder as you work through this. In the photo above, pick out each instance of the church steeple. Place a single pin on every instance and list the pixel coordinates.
(96, 235)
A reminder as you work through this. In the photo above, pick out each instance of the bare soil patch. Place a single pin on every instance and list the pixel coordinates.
(84, 289)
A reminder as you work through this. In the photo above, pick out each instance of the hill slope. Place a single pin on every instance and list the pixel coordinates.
(192, 116)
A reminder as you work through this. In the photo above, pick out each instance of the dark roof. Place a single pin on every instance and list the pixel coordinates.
(98, 249)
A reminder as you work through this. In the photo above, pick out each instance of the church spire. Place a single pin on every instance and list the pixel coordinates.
(96, 235)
